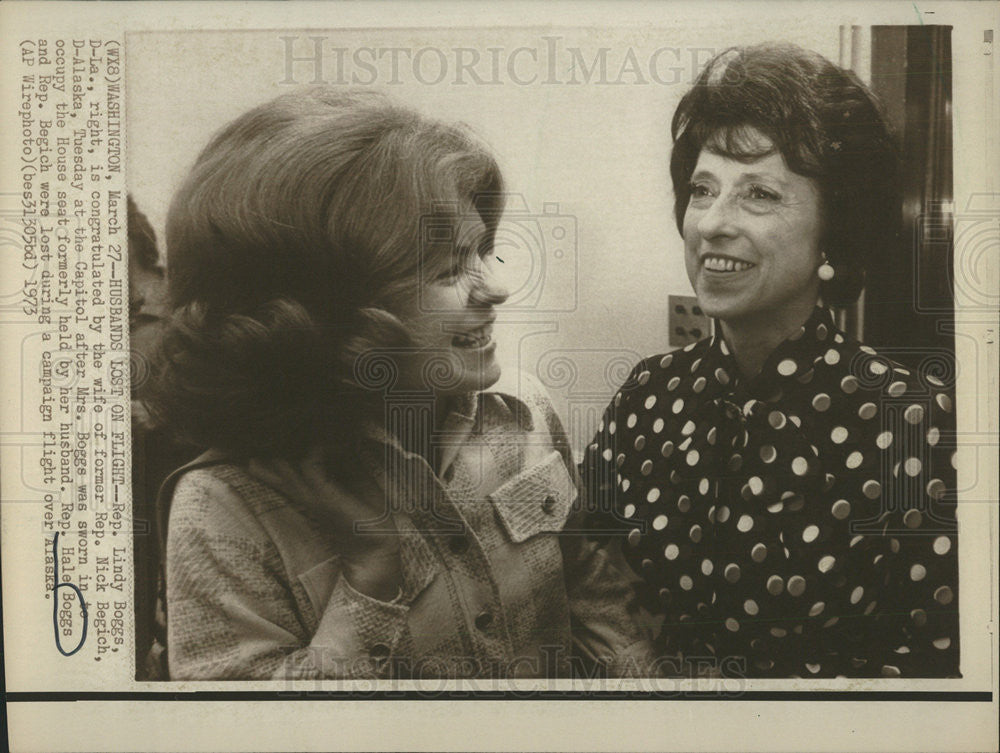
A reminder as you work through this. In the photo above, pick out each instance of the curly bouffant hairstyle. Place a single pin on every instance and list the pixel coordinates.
(289, 244)
(826, 124)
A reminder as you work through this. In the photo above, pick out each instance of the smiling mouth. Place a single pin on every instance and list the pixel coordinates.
(715, 263)
(476, 338)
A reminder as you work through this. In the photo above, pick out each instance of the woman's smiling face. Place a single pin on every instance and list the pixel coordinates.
(451, 318)
(751, 237)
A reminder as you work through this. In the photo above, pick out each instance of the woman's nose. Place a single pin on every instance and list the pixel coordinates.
(489, 288)
(718, 219)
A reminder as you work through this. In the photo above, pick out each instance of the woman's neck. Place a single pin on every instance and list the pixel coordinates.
(753, 339)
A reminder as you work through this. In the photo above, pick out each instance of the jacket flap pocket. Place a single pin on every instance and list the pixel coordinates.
(536, 500)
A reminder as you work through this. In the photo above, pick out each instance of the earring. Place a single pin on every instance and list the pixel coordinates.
(825, 271)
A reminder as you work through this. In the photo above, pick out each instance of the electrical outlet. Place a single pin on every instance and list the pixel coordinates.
(688, 323)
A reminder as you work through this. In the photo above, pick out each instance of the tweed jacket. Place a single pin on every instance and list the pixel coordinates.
(498, 578)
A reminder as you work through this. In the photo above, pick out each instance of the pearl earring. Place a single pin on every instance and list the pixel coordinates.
(825, 271)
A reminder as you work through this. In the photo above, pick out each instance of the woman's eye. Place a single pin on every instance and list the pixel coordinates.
(700, 190)
(759, 193)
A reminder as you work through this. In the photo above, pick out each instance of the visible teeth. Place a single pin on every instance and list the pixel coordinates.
(720, 264)
(477, 338)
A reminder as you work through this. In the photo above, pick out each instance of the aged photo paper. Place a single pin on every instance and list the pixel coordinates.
(107, 646)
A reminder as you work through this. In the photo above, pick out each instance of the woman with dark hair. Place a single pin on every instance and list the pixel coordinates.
(787, 492)
(375, 503)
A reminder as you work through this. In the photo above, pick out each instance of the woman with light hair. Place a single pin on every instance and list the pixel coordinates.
(374, 500)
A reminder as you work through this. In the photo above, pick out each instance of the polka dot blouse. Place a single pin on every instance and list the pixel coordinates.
(800, 523)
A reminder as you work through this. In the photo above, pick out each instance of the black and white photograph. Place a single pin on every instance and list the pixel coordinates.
(517, 359)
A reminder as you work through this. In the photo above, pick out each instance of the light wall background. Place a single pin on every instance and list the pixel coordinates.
(594, 154)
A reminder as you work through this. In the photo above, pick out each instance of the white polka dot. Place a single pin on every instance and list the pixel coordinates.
(732, 572)
(650, 402)
(671, 552)
(838, 435)
(707, 567)
(914, 414)
(775, 585)
(933, 436)
(667, 449)
(629, 510)
(832, 357)
(659, 522)
(658, 426)
(826, 563)
(647, 467)
(632, 420)
(653, 494)
(796, 585)
(778, 632)
(871, 489)
(758, 553)
(817, 609)
(678, 405)
(768, 453)
(756, 485)
(673, 383)
(665, 361)
(776, 507)
(942, 545)
(795, 420)
(750, 607)
(849, 385)
(821, 402)
(607, 454)
(612, 427)
(688, 429)
(695, 533)
(890, 671)
(877, 368)
(683, 503)
(942, 643)
(634, 536)
(723, 347)
(810, 534)
(883, 440)
(744, 524)
(626, 484)
(918, 572)
(841, 509)
(800, 466)
(854, 460)
(787, 367)
(943, 595)
(692, 457)
(721, 376)
(913, 519)
(777, 419)
(944, 401)
(695, 365)
(643, 377)
(699, 385)
(640, 442)
(732, 624)
(867, 411)
(857, 594)
(897, 389)
(912, 467)
(686, 582)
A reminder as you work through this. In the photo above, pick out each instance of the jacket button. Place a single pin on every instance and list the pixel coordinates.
(458, 544)
(379, 652)
(549, 505)
(484, 619)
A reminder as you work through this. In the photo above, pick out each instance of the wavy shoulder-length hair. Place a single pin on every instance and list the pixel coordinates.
(826, 124)
(293, 238)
